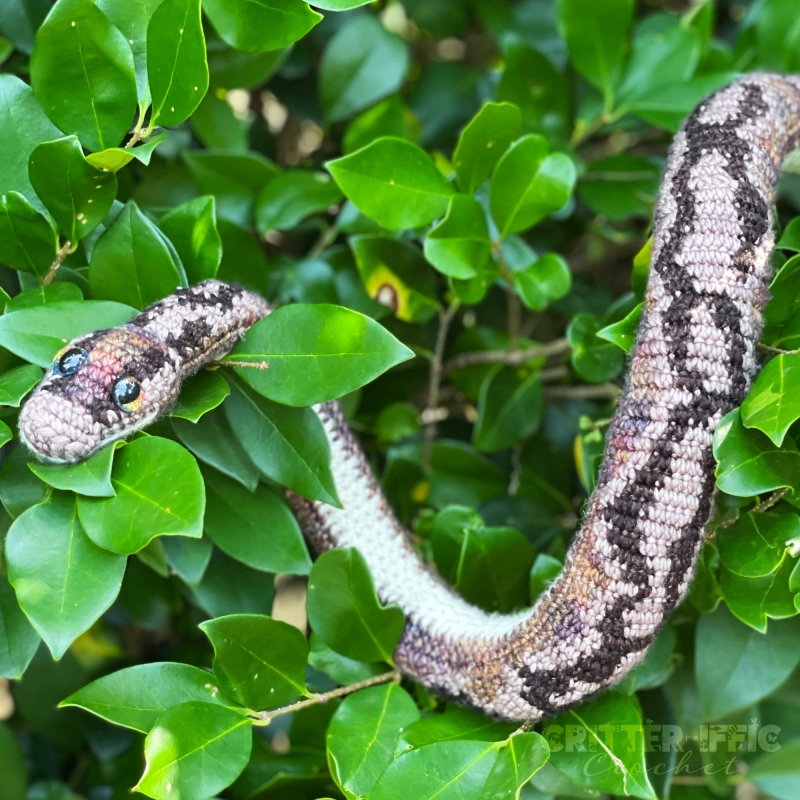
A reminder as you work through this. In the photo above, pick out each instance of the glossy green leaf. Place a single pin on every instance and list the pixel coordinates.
(64, 582)
(287, 444)
(755, 544)
(21, 19)
(340, 668)
(130, 262)
(755, 600)
(91, 477)
(455, 724)
(362, 735)
(623, 333)
(176, 60)
(528, 184)
(396, 421)
(194, 751)
(135, 697)
(256, 25)
(18, 639)
(200, 394)
(292, 196)
(235, 69)
(77, 194)
(187, 558)
(736, 666)
(593, 359)
(546, 279)
(362, 63)
(459, 475)
(258, 661)
(13, 775)
(17, 382)
(38, 333)
(345, 611)
(212, 440)
(657, 666)
(459, 245)
(772, 404)
(79, 47)
(521, 758)
(316, 353)
(19, 487)
(510, 408)
(393, 182)
(27, 242)
(483, 142)
(340, 5)
(790, 237)
(606, 750)
(596, 37)
(192, 228)
(395, 275)
(115, 158)
(257, 528)
(389, 117)
(488, 566)
(216, 125)
(43, 296)
(748, 463)
(777, 773)
(230, 587)
(159, 492)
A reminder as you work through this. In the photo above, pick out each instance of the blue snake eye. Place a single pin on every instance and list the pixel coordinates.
(127, 394)
(70, 360)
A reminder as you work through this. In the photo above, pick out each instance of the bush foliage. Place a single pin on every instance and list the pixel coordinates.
(450, 201)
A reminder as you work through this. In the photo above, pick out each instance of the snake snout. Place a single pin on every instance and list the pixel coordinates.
(58, 429)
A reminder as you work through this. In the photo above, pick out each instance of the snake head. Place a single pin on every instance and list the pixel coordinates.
(101, 387)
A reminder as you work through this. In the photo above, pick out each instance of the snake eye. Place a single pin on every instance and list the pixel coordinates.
(69, 360)
(127, 394)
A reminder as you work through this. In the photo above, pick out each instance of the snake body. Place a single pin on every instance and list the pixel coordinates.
(631, 562)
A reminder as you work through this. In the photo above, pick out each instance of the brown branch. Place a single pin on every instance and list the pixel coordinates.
(512, 358)
(765, 348)
(62, 253)
(265, 717)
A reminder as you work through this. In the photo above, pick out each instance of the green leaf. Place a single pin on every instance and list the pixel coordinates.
(528, 184)
(521, 758)
(459, 245)
(195, 750)
(257, 528)
(772, 404)
(483, 141)
(754, 600)
(21, 19)
(256, 25)
(459, 475)
(538, 281)
(258, 661)
(43, 296)
(620, 186)
(363, 733)
(192, 228)
(544, 571)
(91, 477)
(212, 440)
(77, 194)
(17, 382)
(747, 461)
(64, 582)
(38, 333)
(736, 666)
(230, 587)
(13, 775)
(78, 47)
(176, 61)
(115, 158)
(362, 64)
(596, 37)
(292, 196)
(135, 697)
(316, 353)
(790, 237)
(159, 492)
(487, 566)
(23, 125)
(200, 394)
(130, 262)
(455, 724)
(510, 408)
(340, 668)
(623, 333)
(340, 5)
(777, 773)
(188, 558)
(396, 421)
(216, 126)
(606, 751)
(393, 182)
(288, 445)
(234, 69)
(389, 117)
(395, 275)
(27, 242)
(132, 17)
(592, 359)
(345, 611)
(18, 640)
(19, 487)
(443, 770)
(657, 666)
(756, 543)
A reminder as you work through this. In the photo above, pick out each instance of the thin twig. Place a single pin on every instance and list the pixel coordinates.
(265, 717)
(512, 358)
(603, 391)
(765, 348)
(62, 253)
(435, 379)
(326, 238)
(512, 300)
(771, 501)
(262, 365)
(553, 373)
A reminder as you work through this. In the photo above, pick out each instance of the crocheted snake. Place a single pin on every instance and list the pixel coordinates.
(631, 563)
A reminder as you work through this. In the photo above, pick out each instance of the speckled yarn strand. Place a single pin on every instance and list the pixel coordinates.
(631, 563)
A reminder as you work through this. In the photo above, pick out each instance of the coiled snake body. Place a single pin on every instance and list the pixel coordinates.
(631, 563)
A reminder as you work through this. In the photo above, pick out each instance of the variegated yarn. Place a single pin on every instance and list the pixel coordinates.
(631, 563)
